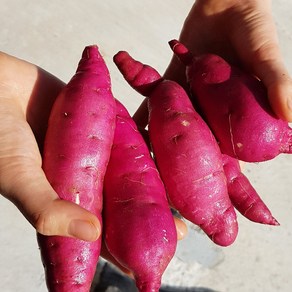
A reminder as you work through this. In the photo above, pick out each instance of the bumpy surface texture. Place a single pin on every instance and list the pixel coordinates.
(76, 153)
(139, 227)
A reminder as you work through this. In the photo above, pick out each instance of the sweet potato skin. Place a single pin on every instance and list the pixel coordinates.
(243, 195)
(187, 155)
(190, 164)
(139, 229)
(235, 106)
(76, 152)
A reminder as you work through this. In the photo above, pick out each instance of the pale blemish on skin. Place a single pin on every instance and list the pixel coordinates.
(89, 162)
(231, 133)
(185, 123)
(140, 156)
(77, 198)
(165, 238)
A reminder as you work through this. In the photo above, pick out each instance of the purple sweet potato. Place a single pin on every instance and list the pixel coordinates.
(235, 106)
(187, 154)
(76, 152)
(139, 229)
(243, 195)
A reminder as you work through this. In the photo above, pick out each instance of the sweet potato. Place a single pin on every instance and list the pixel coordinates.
(243, 195)
(235, 106)
(76, 152)
(187, 155)
(139, 229)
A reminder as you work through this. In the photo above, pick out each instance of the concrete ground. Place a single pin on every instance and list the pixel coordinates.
(52, 35)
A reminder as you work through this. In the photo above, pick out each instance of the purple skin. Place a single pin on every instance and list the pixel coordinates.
(243, 196)
(187, 155)
(139, 229)
(235, 106)
(76, 153)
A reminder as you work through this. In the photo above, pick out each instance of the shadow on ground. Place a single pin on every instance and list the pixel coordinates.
(108, 279)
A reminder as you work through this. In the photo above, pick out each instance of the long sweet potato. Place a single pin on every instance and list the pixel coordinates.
(139, 229)
(235, 106)
(187, 155)
(76, 152)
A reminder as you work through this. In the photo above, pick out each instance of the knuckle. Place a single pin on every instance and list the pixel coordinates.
(44, 224)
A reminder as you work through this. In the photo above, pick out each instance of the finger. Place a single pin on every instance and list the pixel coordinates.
(181, 228)
(242, 165)
(268, 65)
(32, 88)
(26, 186)
(41, 100)
(67, 219)
(279, 85)
(23, 182)
(261, 52)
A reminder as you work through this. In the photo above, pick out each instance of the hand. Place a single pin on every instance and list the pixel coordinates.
(26, 96)
(244, 33)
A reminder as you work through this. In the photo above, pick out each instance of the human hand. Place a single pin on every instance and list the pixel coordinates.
(26, 96)
(244, 33)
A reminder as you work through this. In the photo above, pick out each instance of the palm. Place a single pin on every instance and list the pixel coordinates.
(243, 33)
(27, 94)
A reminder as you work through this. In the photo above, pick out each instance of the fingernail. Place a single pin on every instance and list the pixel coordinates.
(84, 230)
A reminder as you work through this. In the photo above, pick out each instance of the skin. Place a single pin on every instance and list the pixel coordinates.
(135, 195)
(244, 33)
(26, 96)
(171, 116)
(243, 196)
(27, 93)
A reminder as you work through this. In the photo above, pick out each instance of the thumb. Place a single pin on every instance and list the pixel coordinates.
(276, 78)
(28, 188)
